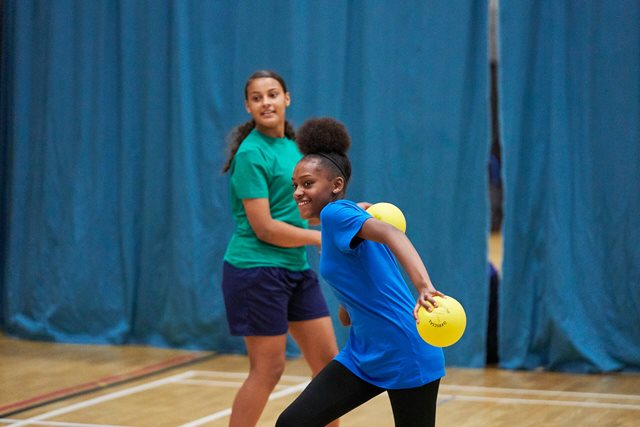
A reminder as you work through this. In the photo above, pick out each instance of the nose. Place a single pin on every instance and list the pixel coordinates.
(297, 193)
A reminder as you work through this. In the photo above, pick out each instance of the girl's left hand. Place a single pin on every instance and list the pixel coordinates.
(426, 299)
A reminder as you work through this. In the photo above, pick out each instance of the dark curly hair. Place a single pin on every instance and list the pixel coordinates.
(240, 132)
(328, 140)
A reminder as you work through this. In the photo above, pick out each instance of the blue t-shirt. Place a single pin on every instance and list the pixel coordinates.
(384, 347)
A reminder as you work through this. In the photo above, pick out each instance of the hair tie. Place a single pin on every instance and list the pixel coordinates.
(326, 156)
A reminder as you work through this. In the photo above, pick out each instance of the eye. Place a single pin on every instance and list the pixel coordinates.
(255, 98)
(307, 184)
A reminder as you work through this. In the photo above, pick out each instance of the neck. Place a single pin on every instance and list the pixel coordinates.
(277, 132)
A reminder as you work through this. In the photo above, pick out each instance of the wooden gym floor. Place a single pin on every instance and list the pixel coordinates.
(45, 384)
(67, 385)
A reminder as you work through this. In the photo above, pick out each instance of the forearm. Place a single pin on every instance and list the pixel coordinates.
(410, 261)
(407, 256)
(279, 233)
(273, 231)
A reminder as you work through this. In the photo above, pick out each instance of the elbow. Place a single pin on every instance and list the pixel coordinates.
(264, 234)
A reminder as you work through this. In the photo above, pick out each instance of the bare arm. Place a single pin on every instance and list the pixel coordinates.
(407, 256)
(272, 231)
(343, 316)
(364, 205)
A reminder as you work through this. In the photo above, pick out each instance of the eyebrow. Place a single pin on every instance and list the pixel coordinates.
(303, 176)
(271, 89)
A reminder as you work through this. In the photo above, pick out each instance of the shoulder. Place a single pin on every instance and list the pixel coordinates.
(291, 144)
(337, 206)
(341, 221)
(283, 144)
(253, 150)
(252, 142)
(341, 209)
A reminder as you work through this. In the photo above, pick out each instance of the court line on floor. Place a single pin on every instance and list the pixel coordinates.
(101, 399)
(454, 387)
(226, 412)
(545, 402)
(230, 384)
(448, 398)
(101, 383)
(179, 378)
(582, 394)
(189, 375)
(450, 387)
(243, 375)
(60, 423)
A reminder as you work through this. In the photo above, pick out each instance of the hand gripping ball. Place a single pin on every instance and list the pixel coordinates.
(444, 325)
(388, 213)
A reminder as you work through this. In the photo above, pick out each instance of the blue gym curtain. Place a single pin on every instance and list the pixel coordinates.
(570, 110)
(114, 212)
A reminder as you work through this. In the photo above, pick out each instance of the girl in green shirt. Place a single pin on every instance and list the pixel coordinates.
(268, 287)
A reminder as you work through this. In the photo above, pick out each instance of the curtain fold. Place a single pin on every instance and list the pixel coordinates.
(570, 109)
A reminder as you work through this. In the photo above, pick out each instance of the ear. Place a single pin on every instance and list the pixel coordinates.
(338, 185)
(246, 106)
(287, 99)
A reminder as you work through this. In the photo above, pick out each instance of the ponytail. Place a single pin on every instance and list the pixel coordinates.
(237, 135)
(289, 132)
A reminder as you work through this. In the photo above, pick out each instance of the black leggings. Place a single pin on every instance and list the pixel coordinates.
(336, 391)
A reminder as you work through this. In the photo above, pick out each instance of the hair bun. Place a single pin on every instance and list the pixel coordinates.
(323, 135)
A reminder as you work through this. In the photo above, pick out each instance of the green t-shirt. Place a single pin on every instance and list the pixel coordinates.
(262, 168)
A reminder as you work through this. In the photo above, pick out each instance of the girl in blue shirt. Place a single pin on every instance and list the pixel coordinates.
(359, 259)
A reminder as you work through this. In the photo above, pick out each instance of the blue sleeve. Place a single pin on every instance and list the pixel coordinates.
(341, 221)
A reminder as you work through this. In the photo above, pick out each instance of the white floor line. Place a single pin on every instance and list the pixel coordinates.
(191, 377)
(579, 394)
(101, 399)
(58, 423)
(213, 383)
(233, 384)
(545, 402)
(226, 412)
(222, 374)
(289, 390)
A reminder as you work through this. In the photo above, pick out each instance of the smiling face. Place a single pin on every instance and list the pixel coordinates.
(314, 187)
(267, 102)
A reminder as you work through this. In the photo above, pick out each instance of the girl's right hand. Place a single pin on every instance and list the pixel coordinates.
(426, 299)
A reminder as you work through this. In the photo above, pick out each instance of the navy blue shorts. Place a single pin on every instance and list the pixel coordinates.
(263, 300)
